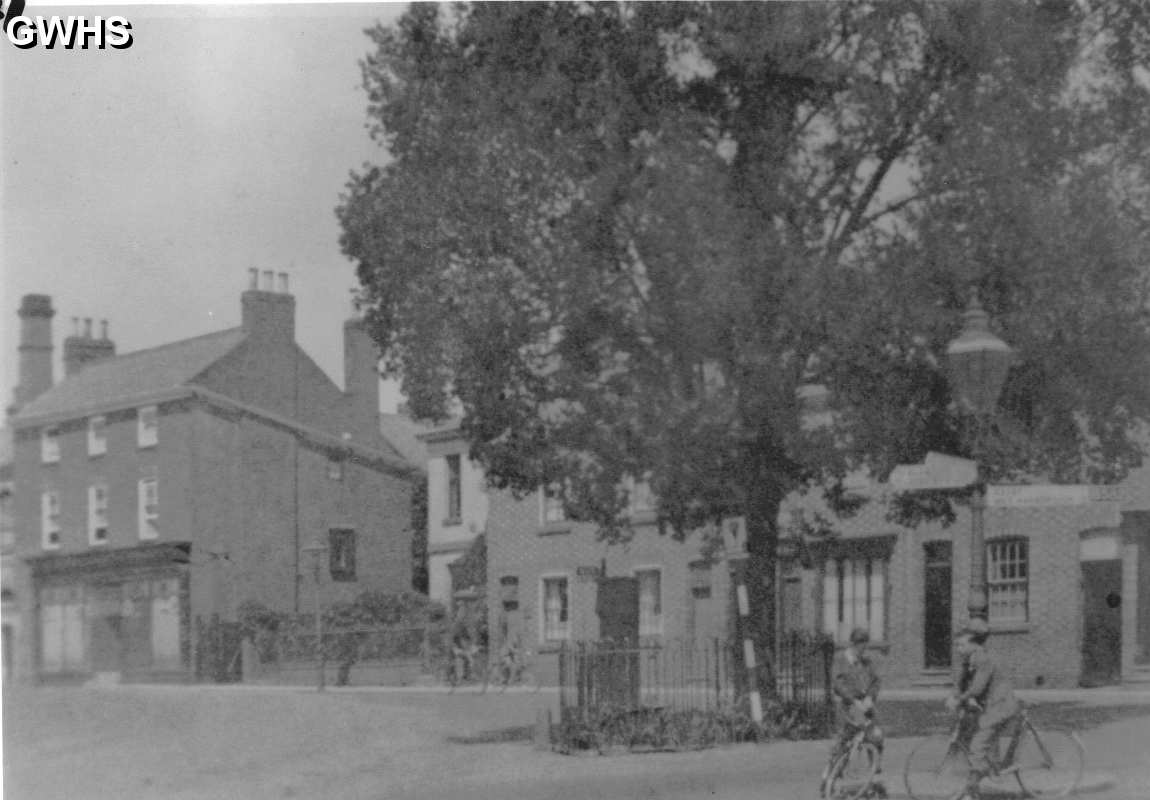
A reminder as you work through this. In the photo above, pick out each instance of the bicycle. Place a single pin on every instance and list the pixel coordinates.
(511, 671)
(1045, 763)
(456, 668)
(852, 773)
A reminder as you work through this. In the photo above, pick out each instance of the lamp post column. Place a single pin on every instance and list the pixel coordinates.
(977, 601)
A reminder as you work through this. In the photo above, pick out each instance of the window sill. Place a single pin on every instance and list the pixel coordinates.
(1009, 627)
(555, 528)
(146, 446)
(97, 455)
(553, 646)
(452, 522)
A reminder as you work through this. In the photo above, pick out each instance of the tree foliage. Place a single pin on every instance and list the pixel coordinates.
(624, 237)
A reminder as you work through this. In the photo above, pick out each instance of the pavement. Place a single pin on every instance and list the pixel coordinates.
(251, 742)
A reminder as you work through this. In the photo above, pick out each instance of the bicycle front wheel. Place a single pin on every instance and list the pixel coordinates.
(1049, 762)
(936, 769)
(853, 773)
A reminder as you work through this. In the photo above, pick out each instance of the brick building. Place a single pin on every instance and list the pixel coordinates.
(1068, 572)
(155, 491)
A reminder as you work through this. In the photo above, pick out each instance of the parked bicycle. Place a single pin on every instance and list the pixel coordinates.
(512, 669)
(1047, 763)
(462, 666)
(852, 774)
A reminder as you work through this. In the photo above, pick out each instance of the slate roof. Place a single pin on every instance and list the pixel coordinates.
(137, 374)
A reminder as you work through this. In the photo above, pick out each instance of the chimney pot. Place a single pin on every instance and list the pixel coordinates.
(253, 278)
(87, 327)
(269, 277)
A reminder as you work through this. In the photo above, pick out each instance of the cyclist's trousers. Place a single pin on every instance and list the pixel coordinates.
(992, 723)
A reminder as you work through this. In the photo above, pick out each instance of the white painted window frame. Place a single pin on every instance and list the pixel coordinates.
(50, 519)
(147, 435)
(653, 624)
(148, 519)
(565, 632)
(50, 444)
(97, 514)
(97, 435)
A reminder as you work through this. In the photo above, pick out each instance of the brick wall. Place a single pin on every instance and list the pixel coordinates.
(519, 545)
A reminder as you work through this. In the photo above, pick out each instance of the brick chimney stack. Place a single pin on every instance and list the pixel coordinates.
(35, 349)
(361, 377)
(82, 348)
(267, 313)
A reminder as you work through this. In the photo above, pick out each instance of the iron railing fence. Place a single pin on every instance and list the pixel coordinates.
(689, 693)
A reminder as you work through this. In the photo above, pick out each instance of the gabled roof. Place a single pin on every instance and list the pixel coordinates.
(403, 434)
(138, 374)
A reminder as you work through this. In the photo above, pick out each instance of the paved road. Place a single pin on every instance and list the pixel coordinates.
(218, 743)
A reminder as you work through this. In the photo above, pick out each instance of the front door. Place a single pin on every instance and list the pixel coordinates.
(936, 635)
(105, 629)
(1101, 622)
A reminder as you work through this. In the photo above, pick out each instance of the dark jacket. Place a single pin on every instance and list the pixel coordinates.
(855, 681)
(978, 677)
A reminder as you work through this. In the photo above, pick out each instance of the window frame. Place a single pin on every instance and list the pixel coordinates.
(341, 543)
(97, 444)
(147, 435)
(97, 512)
(551, 509)
(999, 559)
(50, 519)
(846, 612)
(50, 444)
(563, 626)
(149, 527)
(454, 497)
(653, 625)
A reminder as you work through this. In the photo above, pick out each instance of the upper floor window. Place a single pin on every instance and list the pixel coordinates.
(341, 549)
(641, 498)
(147, 426)
(50, 520)
(149, 508)
(97, 514)
(454, 488)
(1007, 580)
(556, 621)
(650, 602)
(97, 436)
(700, 579)
(552, 504)
(50, 445)
(334, 469)
(854, 596)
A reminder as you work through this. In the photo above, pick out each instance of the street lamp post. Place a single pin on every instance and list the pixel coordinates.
(978, 362)
(315, 551)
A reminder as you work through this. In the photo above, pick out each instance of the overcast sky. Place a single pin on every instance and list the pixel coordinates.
(140, 185)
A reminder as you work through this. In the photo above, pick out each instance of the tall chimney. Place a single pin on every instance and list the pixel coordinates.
(81, 348)
(361, 378)
(267, 314)
(35, 350)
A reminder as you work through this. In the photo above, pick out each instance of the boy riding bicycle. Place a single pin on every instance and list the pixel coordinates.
(856, 685)
(981, 686)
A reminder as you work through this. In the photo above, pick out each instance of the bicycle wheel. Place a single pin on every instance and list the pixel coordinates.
(1049, 763)
(936, 769)
(852, 774)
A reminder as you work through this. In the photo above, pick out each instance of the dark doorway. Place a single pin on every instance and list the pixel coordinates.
(617, 604)
(1101, 622)
(937, 576)
(106, 629)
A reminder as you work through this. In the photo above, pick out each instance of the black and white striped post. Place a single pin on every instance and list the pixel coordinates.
(749, 659)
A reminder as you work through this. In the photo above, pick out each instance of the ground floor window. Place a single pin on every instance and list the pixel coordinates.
(854, 596)
(650, 602)
(62, 629)
(1007, 580)
(556, 617)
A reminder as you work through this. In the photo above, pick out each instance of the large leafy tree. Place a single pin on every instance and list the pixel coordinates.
(624, 237)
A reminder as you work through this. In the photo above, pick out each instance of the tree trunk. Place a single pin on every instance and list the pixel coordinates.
(764, 501)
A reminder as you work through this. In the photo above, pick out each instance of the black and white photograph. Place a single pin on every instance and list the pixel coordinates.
(646, 399)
